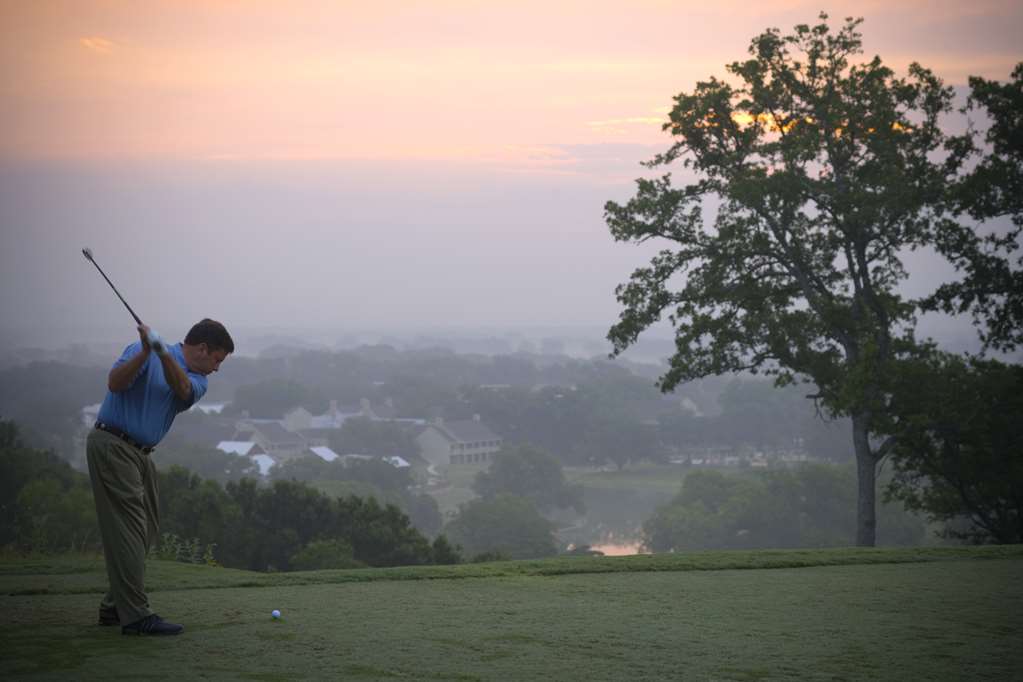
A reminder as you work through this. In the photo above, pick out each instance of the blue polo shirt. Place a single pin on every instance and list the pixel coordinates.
(146, 410)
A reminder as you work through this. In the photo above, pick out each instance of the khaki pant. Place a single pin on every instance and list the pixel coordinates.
(124, 488)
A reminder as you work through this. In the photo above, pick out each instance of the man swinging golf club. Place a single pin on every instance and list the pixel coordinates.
(148, 386)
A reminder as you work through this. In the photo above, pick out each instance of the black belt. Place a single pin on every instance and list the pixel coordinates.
(123, 436)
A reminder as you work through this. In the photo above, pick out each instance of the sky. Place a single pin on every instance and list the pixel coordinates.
(335, 165)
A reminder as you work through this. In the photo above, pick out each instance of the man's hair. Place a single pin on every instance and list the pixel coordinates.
(212, 333)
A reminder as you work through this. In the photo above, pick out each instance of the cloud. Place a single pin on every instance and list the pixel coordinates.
(629, 125)
(615, 122)
(97, 44)
(619, 125)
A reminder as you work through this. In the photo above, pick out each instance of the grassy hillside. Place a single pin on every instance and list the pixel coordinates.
(950, 613)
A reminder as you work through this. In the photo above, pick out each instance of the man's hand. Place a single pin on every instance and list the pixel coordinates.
(176, 377)
(144, 338)
(151, 340)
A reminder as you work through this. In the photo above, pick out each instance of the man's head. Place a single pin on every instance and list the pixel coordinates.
(206, 346)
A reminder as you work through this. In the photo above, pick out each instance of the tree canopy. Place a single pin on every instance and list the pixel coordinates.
(992, 286)
(959, 456)
(807, 506)
(359, 435)
(531, 473)
(806, 178)
(506, 526)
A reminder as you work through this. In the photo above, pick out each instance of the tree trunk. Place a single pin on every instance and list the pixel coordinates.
(866, 477)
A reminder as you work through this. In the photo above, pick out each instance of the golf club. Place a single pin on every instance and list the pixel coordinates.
(87, 252)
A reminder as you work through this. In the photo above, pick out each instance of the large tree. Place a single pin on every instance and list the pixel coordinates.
(820, 174)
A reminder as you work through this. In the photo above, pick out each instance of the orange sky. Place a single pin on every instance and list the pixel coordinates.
(494, 82)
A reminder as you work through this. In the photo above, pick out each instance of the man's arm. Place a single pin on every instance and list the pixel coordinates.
(176, 377)
(123, 376)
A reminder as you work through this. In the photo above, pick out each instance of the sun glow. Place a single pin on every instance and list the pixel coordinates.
(332, 79)
(770, 123)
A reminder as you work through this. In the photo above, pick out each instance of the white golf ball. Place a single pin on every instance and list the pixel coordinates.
(276, 614)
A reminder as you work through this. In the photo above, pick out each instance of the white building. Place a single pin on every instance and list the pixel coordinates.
(458, 442)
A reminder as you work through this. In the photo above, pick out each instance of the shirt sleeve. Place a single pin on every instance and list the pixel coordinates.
(131, 351)
(199, 386)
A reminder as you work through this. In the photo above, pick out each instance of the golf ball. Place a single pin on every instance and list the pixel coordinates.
(276, 614)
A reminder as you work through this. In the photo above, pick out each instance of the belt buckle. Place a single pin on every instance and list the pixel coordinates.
(102, 426)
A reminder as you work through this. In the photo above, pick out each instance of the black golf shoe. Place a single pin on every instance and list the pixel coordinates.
(108, 616)
(152, 625)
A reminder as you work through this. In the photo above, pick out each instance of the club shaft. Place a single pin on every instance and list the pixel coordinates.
(137, 320)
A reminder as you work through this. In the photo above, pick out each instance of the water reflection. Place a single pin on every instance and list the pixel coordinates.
(619, 548)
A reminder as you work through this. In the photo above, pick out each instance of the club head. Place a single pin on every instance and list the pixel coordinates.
(87, 252)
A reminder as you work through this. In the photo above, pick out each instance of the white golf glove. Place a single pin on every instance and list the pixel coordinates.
(156, 343)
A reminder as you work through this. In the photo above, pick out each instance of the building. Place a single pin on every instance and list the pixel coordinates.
(324, 453)
(300, 420)
(251, 450)
(242, 448)
(467, 441)
(209, 408)
(276, 441)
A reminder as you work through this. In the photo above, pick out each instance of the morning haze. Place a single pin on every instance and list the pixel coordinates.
(446, 408)
(325, 248)
(341, 168)
(333, 245)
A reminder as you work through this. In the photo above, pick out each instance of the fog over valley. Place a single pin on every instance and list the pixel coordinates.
(334, 254)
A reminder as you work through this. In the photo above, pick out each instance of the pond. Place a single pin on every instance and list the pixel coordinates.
(620, 547)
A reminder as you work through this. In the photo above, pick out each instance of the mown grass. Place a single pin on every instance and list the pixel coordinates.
(663, 479)
(937, 613)
(643, 486)
(83, 575)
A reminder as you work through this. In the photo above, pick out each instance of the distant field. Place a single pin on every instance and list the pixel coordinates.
(618, 502)
(648, 483)
(654, 478)
(846, 614)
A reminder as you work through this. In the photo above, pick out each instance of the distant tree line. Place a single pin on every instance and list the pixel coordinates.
(581, 411)
(46, 399)
(610, 415)
(271, 527)
(811, 505)
(371, 478)
(46, 506)
(365, 436)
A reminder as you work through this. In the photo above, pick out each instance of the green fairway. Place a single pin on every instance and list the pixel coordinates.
(618, 502)
(665, 479)
(951, 613)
